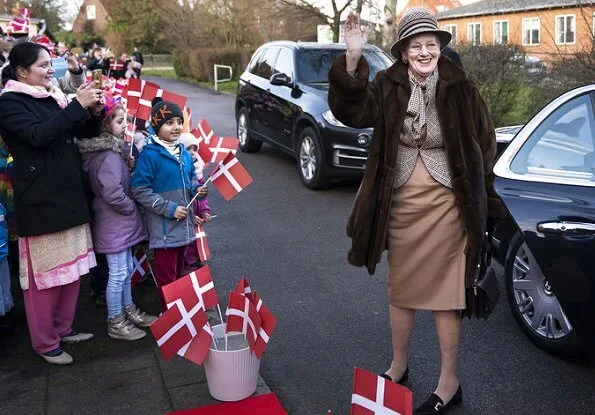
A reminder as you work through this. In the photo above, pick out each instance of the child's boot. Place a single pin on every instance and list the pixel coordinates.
(137, 317)
(120, 328)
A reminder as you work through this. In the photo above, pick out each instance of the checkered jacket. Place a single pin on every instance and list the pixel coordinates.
(431, 150)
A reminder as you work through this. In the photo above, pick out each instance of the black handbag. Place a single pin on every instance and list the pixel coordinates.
(482, 296)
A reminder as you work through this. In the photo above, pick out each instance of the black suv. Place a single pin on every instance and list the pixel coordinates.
(282, 99)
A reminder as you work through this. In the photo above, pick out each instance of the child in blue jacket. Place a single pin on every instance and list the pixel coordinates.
(163, 183)
(6, 302)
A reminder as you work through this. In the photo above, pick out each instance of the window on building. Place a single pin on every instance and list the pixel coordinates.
(531, 31)
(452, 29)
(501, 32)
(91, 12)
(565, 29)
(474, 33)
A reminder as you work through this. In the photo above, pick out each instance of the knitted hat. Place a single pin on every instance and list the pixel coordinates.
(188, 139)
(415, 21)
(163, 111)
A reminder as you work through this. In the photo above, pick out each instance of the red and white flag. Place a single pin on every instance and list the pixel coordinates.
(373, 394)
(221, 146)
(116, 65)
(204, 253)
(129, 133)
(149, 92)
(194, 288)
(203, 130)
(119, 86)
(178, 328)
(242, 317)
(267, 325)
(132, 94)
(21, 22)
(230, 177)
(140, 266)
(180, 100)
(243, 288)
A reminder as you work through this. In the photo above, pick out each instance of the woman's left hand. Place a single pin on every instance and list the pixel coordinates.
(202, 191)
(98, 106)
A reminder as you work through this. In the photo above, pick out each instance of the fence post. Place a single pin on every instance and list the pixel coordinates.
(215, 67)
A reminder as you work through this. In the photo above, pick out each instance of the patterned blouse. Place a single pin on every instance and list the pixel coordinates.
(421, 134)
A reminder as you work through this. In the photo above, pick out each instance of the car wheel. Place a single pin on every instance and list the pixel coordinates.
(247, 143)
(533, 303)
(310, 162)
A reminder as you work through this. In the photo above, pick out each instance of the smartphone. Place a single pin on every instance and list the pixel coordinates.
(96, 76)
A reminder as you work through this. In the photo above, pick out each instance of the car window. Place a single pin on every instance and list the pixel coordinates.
(253, 65)
(563, 145)
(284, 63)
(267, 63)
(314, 64)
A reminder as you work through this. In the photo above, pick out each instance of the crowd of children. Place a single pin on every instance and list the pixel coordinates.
(134, 199)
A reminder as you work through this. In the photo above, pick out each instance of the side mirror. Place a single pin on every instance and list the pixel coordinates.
(280, 79)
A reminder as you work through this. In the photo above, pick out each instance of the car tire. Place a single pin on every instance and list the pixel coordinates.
(247, 143)
(526, 287)
(310, 160)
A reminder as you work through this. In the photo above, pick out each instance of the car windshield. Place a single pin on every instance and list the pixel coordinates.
(314, 64)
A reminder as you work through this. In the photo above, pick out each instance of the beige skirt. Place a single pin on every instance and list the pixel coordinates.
(426, 245)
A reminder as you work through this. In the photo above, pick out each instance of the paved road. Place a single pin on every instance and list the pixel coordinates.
(290, 243)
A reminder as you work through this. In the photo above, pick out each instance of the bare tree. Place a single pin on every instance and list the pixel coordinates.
(389, 33)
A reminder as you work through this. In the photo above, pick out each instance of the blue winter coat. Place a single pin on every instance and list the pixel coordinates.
(161, 183)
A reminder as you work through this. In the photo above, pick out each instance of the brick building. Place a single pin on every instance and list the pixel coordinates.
(435, 6)
(91, 18)
(542, 27)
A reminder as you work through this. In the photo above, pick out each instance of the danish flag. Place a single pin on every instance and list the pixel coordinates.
(267, 325)
(243, 288)
(116, 65)
(220, 147)
(20, 23)
(203, 130)
(242, 317)
(230, 177)
(196, 286)
(133, 94)
(373, 394)
(129, 134)
(144, 103)
(180, 100)
(119, 86)
(204, 253)
(180, 331)
(140, 265)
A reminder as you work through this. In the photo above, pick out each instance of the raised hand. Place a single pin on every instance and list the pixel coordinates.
(356, 38)
(88, 96)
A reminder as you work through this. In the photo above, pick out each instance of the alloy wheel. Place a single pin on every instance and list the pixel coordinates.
(308, 158)
(534, 298)
(243, 129)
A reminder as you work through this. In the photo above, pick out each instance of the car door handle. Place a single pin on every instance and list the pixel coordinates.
(567, 228)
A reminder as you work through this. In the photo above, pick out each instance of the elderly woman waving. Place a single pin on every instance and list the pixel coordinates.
(427, 190)
(39, 126)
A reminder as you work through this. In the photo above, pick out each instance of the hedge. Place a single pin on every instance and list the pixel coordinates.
(198, 63)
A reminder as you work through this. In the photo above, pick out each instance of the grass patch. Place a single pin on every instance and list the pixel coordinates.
(229, 87)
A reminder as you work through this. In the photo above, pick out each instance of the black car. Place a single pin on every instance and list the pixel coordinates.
(546, 178)
(282, 99)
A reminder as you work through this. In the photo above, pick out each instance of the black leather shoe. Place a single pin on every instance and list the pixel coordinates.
(400, 381)
(435, 405)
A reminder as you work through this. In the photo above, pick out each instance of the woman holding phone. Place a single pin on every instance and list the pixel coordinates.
(39, 125)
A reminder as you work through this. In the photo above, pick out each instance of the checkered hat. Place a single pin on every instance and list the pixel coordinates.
(415, 21)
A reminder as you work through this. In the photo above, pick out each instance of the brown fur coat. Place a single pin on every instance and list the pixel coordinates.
(469, 139)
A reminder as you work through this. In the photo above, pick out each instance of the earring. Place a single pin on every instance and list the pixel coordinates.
(404, 59)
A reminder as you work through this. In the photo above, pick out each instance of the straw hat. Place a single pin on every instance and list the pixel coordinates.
(415, 21)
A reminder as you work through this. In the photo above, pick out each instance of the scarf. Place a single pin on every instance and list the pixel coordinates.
(172, 147)
(36, 91)
(418, 103)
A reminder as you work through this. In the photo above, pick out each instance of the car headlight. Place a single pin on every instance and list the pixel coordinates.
(330, 118)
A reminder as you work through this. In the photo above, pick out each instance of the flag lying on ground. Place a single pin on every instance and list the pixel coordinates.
(242, 317)
(267, 325)
(373, 394)
(266, 404)
(230, 177)
(21, 22)
(204, 253)
(140, 266)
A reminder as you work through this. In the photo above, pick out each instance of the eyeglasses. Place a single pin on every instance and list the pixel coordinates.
(430, 47)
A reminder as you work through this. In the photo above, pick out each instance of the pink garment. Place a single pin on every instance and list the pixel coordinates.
(50, 313)
(36, 91)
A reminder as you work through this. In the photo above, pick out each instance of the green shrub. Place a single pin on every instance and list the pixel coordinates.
(198, 63)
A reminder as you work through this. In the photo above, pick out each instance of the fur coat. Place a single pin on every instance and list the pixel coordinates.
(469, 139)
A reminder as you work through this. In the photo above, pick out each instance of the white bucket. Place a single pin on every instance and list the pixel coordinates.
(231, 375)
